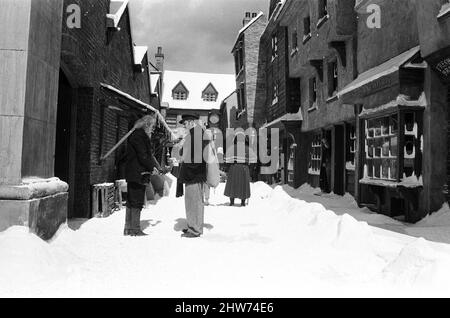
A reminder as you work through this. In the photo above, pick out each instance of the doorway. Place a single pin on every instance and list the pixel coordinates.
(339, 160)
(64, 153)
(325, 167)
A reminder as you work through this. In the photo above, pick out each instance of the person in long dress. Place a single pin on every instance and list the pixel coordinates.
(238, 178)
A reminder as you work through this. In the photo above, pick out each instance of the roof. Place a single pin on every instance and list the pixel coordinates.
(289, 117)
(116, 10)
(154, 79)
(137, 101)
(139, 53)
(252, 21)
(387, 68)
(196, 83)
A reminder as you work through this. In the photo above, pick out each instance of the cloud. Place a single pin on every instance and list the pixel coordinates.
(196, 35)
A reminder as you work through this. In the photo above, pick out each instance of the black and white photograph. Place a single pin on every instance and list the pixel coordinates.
(224, 149)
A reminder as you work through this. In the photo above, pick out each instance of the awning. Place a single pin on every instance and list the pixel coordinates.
(130, 98)
(279, 122)
(377, 73)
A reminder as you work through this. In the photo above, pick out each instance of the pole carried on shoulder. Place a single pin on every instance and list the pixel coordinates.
(139, 124)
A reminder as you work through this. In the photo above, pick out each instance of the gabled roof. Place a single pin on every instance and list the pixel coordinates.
(154, 80)
(384, 69)
(210, 87)
(139, 54)
(196, 83)
(116, 10)
(180, 85)
(252, 21)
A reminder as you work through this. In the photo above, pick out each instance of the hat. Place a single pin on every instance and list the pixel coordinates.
(188, 117)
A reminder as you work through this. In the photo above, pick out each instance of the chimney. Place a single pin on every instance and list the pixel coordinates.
(159, 57)
(247, 18)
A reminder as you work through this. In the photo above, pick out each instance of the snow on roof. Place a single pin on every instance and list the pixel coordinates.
(154, 79)
(260, 14)
(401, 100)
(139, 53)
(252, 21)
(116, 10)
(137, 101)
(445, 11)
(196, 83)
(387, 68)
(287, 117)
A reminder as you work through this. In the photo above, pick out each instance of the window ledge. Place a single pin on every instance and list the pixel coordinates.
(313, 107)
(306, 38)
(275, 101)
(294, 51)
(445, 12)
(332, 98)
(322, 20)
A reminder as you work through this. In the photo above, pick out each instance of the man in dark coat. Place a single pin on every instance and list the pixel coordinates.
(193, 175)
(139, 167)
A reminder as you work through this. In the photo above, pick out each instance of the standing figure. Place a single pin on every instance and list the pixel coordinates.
(193, 176)
(238, 179)
(140, 165)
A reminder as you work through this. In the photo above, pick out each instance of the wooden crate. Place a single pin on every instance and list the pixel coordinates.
(103, 200)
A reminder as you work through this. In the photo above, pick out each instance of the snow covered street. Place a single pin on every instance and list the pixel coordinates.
(278, 246)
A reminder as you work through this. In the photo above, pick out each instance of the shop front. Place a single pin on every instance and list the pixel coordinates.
(398, 163)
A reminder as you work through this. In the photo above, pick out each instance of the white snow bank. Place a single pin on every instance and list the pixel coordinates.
(439, 218)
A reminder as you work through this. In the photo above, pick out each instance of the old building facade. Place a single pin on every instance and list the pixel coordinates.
(319, 50)
(105, 84)
(83, 83)
(249, 68)
(371, 108)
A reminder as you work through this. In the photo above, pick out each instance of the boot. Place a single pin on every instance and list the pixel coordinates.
(136, 223)
(231, 201)
(243, 202)
(127, 229)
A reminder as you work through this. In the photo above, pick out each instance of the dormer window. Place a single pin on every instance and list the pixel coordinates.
(179, 96)
(180, 92)
(210, 97)
(210, 94)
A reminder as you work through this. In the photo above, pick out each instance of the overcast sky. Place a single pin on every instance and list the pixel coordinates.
(196, 35)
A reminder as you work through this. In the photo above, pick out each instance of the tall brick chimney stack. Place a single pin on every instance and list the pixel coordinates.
(159, 57)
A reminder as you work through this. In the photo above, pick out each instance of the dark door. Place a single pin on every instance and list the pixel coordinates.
(63, 124)
(339, 160)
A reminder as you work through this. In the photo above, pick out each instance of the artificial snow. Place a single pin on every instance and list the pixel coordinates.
(286, 243)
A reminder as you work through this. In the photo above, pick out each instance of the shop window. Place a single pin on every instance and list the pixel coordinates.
(315, 160)
(351, 148)
(392, 152)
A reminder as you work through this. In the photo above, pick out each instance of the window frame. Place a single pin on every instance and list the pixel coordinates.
(412, 160)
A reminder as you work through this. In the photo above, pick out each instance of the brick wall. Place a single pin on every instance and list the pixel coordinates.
(398, 34)
(254, 71)
(92, 55)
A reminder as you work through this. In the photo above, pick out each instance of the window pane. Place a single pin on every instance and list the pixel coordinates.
(393, 168)
(385, 147)
(394, 146)
(370, 168)
(393, 124)
(385, 167)
(377, 166)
